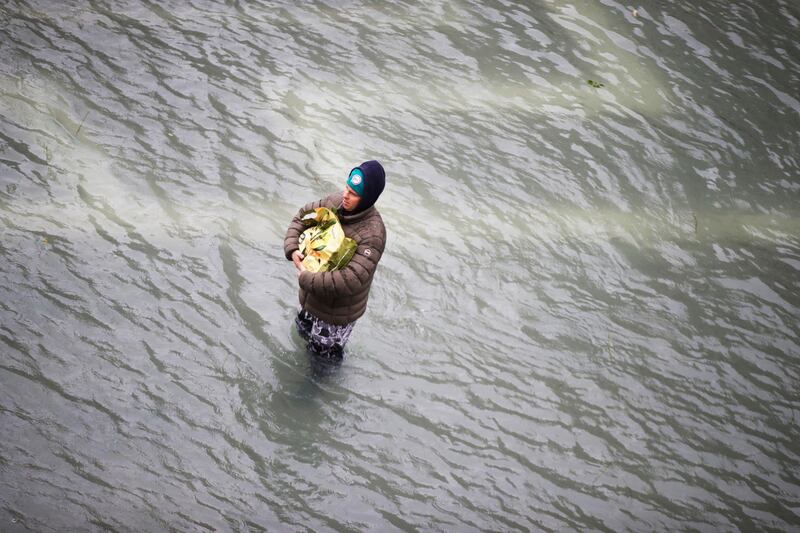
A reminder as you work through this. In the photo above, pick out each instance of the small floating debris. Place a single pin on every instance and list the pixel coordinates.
(595, 84)
(81, 124)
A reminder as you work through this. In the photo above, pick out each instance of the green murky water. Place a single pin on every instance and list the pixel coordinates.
(586, 317)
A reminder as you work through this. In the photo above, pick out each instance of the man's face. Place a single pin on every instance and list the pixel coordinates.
(350, 199)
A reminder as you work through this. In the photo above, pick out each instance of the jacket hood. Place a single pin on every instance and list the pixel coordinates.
(374, 182)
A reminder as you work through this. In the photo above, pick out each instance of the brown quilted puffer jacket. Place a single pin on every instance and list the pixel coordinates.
(340, 297)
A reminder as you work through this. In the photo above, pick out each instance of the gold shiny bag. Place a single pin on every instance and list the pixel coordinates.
(324, 245)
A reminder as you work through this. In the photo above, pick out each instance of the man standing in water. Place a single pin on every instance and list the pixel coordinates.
(331, 302)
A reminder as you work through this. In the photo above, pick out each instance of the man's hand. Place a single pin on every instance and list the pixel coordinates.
(297, 258)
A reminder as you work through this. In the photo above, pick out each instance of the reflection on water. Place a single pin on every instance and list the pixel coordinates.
(586, 317)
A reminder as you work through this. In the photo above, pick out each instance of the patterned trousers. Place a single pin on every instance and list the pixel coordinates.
(325, 340)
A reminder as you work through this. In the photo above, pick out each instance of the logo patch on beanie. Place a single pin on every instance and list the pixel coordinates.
(356, 181)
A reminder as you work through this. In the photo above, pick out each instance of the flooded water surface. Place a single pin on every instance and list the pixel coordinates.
(586, 317)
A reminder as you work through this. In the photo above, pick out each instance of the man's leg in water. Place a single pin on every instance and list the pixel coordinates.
(303, 321)
(325, 340)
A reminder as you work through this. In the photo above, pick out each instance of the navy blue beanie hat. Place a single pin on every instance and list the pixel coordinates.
(374, 179)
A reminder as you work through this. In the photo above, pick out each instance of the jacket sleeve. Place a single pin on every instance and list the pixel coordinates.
(353, 277)
(296, 226)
